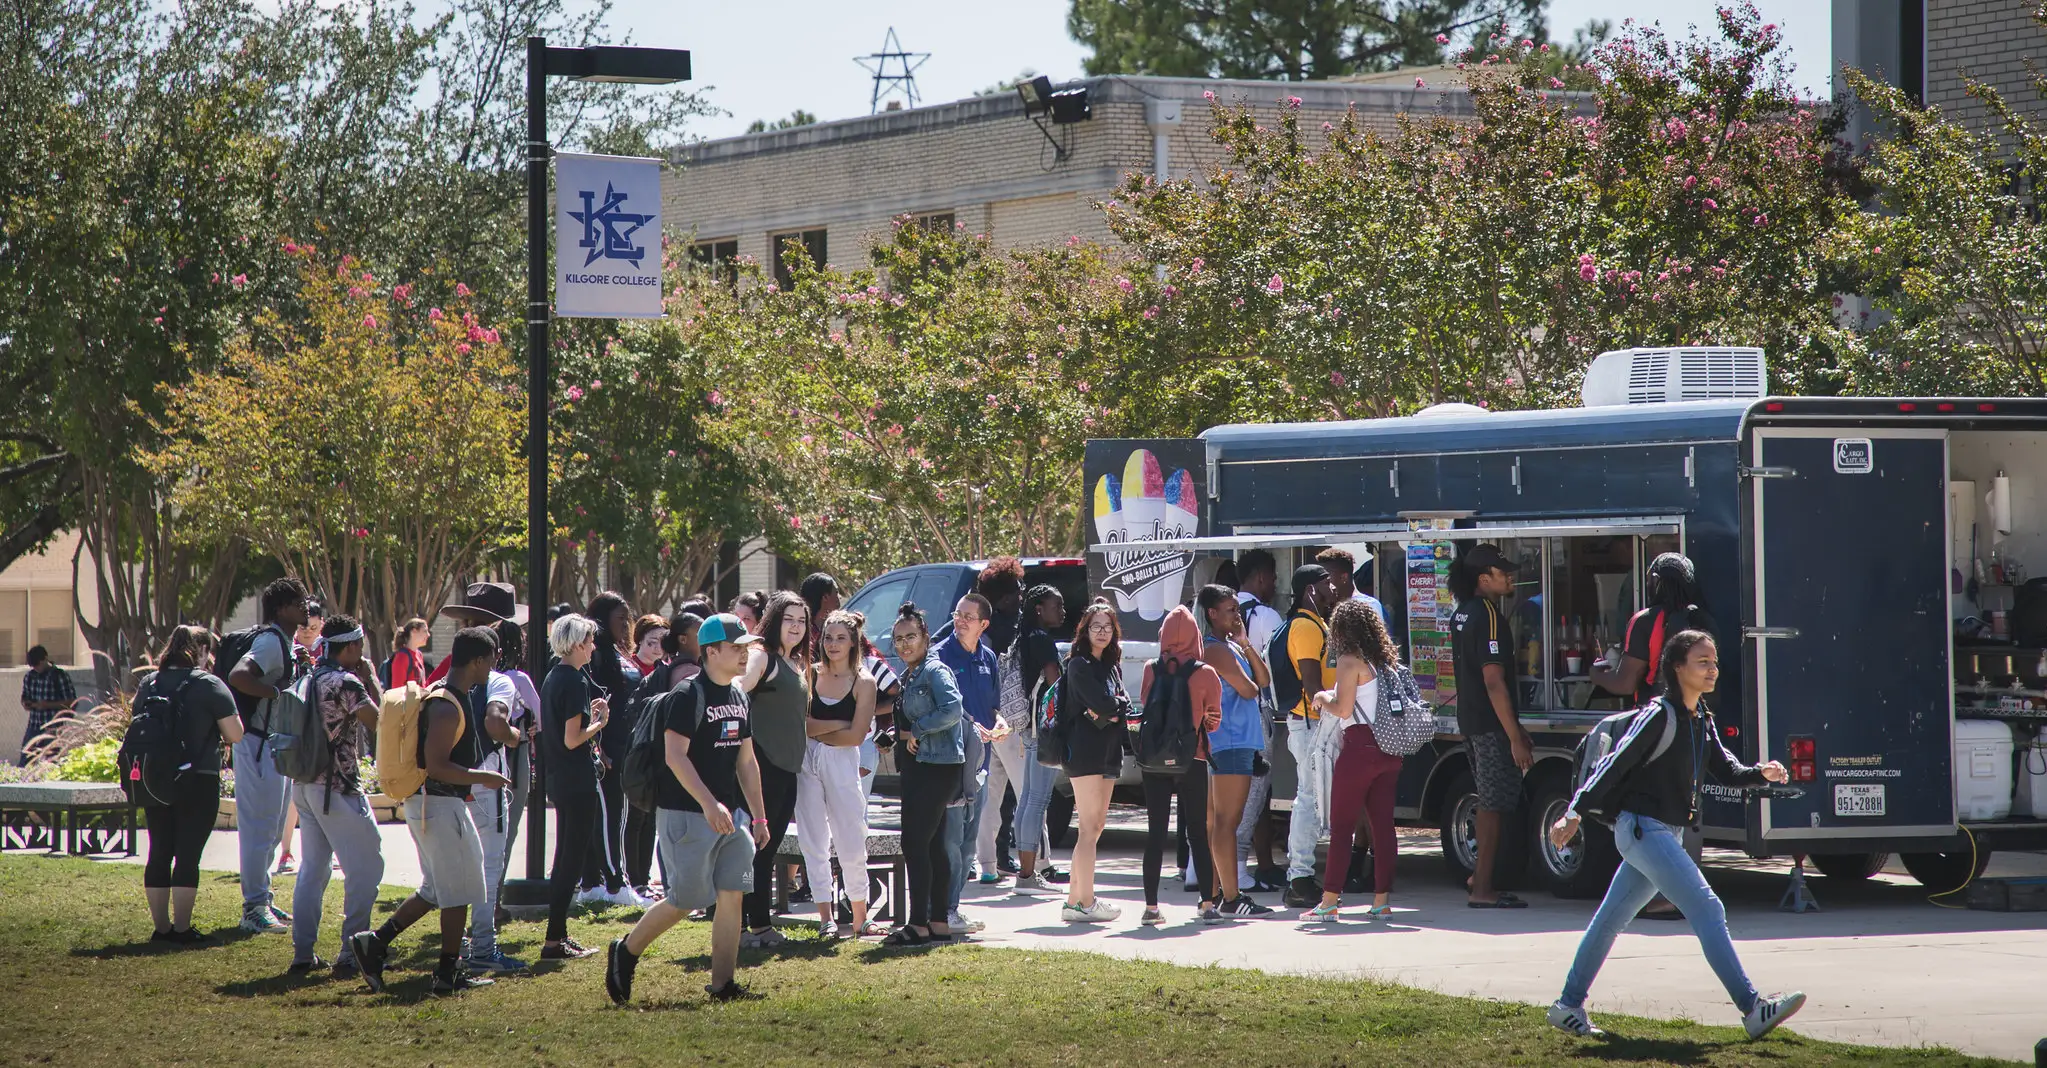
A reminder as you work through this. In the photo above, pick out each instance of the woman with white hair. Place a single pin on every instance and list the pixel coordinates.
(569, 720)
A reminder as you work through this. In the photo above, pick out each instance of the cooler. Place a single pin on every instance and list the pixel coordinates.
(1983, 769)
(2030, 798)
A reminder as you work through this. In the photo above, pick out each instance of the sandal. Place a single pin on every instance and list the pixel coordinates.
(906, 936)
(870, 929)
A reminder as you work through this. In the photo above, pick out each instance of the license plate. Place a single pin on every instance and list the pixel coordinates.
(1859, 800)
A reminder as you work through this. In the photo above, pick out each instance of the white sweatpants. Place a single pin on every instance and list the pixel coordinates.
(831, 817)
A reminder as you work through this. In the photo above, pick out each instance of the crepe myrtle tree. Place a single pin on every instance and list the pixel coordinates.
(369, 447)
(1347, 273)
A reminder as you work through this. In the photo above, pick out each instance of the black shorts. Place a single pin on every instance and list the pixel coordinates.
(1092, 750)
(1494, 770)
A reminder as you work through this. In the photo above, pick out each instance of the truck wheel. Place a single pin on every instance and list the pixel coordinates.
(1850, 867)
(1059, 818)
(1581, 869)
(1457, 827)
(1944, 871)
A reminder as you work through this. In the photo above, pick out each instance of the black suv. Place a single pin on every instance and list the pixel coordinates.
(936, 588)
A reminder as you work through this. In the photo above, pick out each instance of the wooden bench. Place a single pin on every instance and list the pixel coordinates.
(884, 869)
(67, 817)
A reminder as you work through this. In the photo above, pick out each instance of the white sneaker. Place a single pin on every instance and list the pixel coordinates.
(596, 895)
(629, 897)
(1098, 912)
(767, 939)
(1032, 885)
(960, 923)
(1564, 1018)
(1771, 1011)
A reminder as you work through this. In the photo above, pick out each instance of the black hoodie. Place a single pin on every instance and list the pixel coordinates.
(1665, 788)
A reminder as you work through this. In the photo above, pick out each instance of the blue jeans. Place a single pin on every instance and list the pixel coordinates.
(1031, 800)
(1653, 859)
(962, 826)
(330, 826)
(261, 796)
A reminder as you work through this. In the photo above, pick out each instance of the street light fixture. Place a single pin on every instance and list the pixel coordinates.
(597, 63)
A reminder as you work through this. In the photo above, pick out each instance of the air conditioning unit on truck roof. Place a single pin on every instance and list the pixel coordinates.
(1663, 376)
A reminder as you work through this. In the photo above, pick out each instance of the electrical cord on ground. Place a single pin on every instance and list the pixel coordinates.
(1934, 899)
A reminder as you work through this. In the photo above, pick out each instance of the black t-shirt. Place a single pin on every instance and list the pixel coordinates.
(468, 750)
(716, 733)
(1039, 649)
(1479, 635)
(565, 699)
(205, 702)
(1641, 644)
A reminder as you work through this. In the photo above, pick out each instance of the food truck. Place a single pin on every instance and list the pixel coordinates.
(1867, 562)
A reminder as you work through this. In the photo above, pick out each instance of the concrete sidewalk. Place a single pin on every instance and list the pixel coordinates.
(1880, 964)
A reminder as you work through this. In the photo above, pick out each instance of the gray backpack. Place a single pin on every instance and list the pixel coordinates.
(298, 731)
(1599, 743)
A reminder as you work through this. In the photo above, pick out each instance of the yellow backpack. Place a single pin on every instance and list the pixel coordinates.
(401, 738)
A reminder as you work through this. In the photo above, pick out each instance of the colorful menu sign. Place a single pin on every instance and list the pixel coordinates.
(1430, 605)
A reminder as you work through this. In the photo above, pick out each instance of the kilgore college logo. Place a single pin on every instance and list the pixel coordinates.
(1146, 505)
(608, 229)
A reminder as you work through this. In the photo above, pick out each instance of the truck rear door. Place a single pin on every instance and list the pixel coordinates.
(1851, 629)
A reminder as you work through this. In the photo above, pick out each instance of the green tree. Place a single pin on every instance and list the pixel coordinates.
(796, 118)
(371, 448)
(1293, 41)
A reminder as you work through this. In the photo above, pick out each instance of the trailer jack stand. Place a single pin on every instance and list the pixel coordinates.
(1796, 897)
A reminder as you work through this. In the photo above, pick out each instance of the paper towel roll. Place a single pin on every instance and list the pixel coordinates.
(1962, 512)
(1998, 503)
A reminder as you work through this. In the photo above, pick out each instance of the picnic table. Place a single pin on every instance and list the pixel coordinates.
(884, 871)
(67, 817)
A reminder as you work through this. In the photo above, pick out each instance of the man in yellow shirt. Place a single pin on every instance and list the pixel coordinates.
(1307, 650)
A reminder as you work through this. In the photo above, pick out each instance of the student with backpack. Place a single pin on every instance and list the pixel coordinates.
(1182, 704)
(1367, 695)
(427, 754)
(335, 821)
(1650, 793)
(171, 765)
(267, 667)
(1299, 655)
(1235, 746)
(506, 711)
(706, 798)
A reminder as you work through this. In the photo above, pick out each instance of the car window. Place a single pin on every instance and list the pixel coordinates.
(937, 590)
(878, 602)
(1069, 579)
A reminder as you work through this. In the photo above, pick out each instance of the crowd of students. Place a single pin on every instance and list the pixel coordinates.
(774, 712)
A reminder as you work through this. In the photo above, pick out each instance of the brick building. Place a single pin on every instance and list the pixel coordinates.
(1930, 48)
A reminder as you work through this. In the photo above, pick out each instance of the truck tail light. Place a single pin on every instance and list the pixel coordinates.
(1804, 760)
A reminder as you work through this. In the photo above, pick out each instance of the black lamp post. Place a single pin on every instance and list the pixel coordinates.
(600, 63)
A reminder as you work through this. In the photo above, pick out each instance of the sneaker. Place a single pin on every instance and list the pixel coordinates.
(1007, 865)
(647, 895)
(1771, 1011)
(1152, 917)
(1054, 875)
(592, 895)
(190, 936)
(1210, 915)
(960, 923)
(346, 969)
(568, 949)
(285, 865)
(801, 896)
(1564, 1018)
(1302, 893)
(495, 961)
(1031, 885)
(1261, 886)
(990, 878)
(1270, 874)
(731, 991)
(280, 915)
(618, 972)
(1244, 906)
(629, 897)
(263, 923)
(301, 967)
(832, 932)
(458, 982)
(1098, 912)
(767, 939)
(369, 956)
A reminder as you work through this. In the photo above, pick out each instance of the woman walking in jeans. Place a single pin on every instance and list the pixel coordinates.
(928, 720)
(1654, 791)
(1365, 775)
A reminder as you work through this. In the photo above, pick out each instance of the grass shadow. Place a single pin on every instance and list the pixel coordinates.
(284, 983)
(146, 948)
(1625, 1050)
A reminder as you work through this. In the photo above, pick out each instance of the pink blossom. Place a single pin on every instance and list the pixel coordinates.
(370, 321)
(1082, 386)
(1442, 38)
(1709, 204)
(1691, 182)
(805, 439)
(1293, 102)
(991, 398)
(1588, 268)
(361, 532)
(1152, 312)
(216, 276)
(291, 248)
(1171, 291)
(1556, 83)
(1879, 250)
(1073, 241)
(1275, 284)
(596, 383)
(239, 280)
(1527, 43)
(461, 289)
(1208, 94)
(1197, 265)
(1125, 284)
(434, 315)
(403, 293)
(158, 320)
(895, 430)
(671, 454)
(574, 393)
(1419, 84)
(1237, 303)
(357, 292)
(1087, 423)
(1336, 379)
(462, 347)
(926, 464)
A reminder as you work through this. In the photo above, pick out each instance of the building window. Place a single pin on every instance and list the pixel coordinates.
(14, 633)
(721, 254)
(941, 221)
(813, 242)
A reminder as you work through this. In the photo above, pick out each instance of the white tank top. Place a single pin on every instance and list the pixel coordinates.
(1367, 710)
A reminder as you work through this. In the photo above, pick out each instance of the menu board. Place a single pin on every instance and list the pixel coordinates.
(1430, 604)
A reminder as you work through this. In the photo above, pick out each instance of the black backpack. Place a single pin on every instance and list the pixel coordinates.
(1286, 677)
(646, 759)
(228, 655)
(153, 757)
(1167, 739)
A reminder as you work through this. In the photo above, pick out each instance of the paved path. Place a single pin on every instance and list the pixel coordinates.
(1880, 964)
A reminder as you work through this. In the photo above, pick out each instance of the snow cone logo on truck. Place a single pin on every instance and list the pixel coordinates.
(1141, 505)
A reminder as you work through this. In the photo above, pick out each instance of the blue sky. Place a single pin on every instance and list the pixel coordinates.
(764, 60)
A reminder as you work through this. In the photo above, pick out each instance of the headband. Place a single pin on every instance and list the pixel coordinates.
(355, 635)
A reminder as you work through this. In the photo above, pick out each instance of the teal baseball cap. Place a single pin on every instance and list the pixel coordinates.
(725, 627)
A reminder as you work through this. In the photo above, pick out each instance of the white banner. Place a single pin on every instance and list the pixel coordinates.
(607, 251)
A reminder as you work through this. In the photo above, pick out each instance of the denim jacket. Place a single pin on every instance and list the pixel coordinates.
(931, 707)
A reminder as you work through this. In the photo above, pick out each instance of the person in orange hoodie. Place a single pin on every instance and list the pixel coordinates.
(1179, 661)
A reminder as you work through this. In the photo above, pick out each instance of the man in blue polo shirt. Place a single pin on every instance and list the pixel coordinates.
(973, 664)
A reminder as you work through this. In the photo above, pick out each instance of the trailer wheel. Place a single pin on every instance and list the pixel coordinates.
(1945, 871)
(1457, 824)
(1581, 869)
(1850, 867)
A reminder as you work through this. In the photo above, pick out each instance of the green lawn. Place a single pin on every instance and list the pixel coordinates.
(76, 987)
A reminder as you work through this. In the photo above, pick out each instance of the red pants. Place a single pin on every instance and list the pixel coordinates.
(1364, 778)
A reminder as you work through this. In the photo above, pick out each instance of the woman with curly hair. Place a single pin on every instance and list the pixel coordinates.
(1365, 775)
